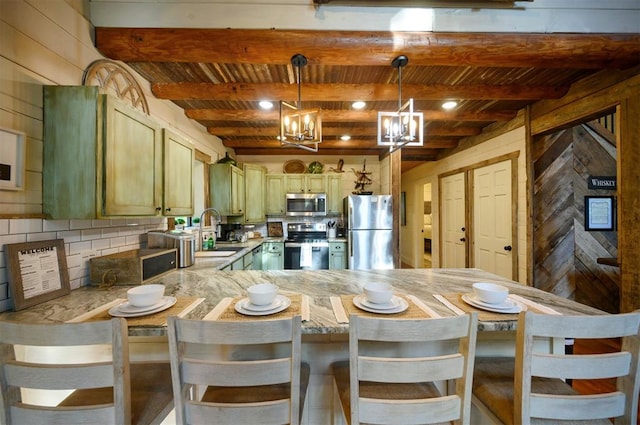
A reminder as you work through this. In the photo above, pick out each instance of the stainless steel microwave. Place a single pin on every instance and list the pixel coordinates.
(306, 204)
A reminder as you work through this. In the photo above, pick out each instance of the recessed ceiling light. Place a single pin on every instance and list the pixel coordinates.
(358, 104)
(265, 104)
(345, 137)
(450, 104)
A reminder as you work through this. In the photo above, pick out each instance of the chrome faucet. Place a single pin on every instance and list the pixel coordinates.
(218, 220)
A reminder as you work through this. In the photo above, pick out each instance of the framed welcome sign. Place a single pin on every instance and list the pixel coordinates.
(37, 272)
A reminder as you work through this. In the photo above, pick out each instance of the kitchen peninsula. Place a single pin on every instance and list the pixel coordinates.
(205, 280)
(325, 338)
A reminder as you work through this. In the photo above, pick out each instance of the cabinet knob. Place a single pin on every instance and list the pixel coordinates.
(168, 209)
(463, 239)
(508, 248)
(158, 208)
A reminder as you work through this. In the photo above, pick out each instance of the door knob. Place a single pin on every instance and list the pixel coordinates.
(507, 248)
(463, 239)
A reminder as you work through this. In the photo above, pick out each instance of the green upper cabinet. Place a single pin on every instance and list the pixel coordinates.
(178, 175)
(101, 157)
(305, 183)
(254, 193)
(276, 192)
(226, 186)
(334, 193)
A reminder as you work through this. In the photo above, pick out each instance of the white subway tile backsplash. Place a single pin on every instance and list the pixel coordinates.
(110, 232)
(134, 240)
(30, 225)
(80, 224)
(100, 244)
(74, 260)
(70, 236)
(117, 242)
(90, 234)
(55, 225)
(10, 239)
(34, 237)
(78, 247)
(83, 240)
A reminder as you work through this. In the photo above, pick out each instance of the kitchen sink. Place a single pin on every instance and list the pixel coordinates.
(220, 251)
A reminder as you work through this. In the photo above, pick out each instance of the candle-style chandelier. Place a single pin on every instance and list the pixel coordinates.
(404, 126)
(300, 128)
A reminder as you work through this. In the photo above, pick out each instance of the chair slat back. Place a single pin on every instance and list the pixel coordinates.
(211, 353)
(17, 373)
(624, 366)
(457, 365)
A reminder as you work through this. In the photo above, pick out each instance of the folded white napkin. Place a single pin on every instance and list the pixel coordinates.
(306, 253)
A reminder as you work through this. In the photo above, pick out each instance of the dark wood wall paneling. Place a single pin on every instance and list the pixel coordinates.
(565, 255)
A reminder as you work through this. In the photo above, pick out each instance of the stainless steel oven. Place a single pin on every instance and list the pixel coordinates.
(306, 255)
(306, 247)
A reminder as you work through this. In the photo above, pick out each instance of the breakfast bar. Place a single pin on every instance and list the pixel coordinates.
(325, 336)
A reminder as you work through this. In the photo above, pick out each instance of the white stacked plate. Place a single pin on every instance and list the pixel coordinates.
(244, 306)
(508, 306)
(395, 305)
(127, 310)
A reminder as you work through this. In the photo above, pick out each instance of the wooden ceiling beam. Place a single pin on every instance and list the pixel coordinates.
(344, 115)
(348, 92)
(368, 48)
(336, 131)
(339, 144)
(294, 151)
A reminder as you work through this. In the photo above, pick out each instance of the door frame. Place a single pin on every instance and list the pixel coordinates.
(468, 173)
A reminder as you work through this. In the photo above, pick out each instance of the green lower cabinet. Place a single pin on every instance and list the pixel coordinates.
(273, 256)
(337, 255)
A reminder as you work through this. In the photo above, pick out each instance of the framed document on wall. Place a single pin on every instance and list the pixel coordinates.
(37, 272)
(599, 213)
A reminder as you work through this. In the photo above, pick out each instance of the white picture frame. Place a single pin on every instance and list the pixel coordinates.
(12, 159)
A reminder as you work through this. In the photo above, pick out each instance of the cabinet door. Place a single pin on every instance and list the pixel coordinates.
(178, 175)
(337, 256)
(132, 175)
(273, 256)
(275, 202)
(316, 183)
(334, 193)
(226, 189)
(237, 191)
(295, 183)
(254, 193)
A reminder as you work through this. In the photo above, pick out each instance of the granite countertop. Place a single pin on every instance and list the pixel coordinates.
(213, 285)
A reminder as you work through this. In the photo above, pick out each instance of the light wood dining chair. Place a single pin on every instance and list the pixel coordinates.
(532, 388)
(407, 371)
(105, 390)
(238, 372)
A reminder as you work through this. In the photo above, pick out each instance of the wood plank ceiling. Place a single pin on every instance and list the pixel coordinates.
(218, 76)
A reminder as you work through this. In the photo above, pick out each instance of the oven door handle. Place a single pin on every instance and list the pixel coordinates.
(299, 244)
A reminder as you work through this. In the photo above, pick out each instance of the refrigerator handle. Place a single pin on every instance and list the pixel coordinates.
(350, 246)
(350, 217)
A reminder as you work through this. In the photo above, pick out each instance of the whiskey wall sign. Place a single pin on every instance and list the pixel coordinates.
(602, 182)
(37, 272)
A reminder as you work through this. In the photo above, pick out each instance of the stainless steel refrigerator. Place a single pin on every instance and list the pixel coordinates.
(369, 231)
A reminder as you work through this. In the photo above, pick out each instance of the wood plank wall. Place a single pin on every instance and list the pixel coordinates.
(565, 255)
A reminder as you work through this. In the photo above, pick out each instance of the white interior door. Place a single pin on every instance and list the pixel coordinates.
(492, 234)
(452, 221)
